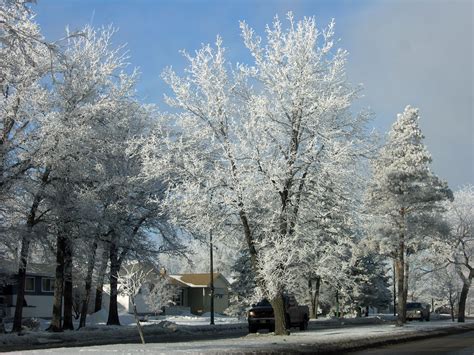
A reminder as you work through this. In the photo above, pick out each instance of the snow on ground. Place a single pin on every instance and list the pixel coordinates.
(100, 319)
(96, 331)
(205, 319)
(328, 339)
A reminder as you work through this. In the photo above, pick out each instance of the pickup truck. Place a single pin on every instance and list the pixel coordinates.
(417, 310)
(261, 316)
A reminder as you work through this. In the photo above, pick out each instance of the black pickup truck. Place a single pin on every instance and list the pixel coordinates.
(261, 316)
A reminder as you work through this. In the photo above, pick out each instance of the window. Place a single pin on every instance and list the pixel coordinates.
(30, 284)
(178, 298)
(47, 284)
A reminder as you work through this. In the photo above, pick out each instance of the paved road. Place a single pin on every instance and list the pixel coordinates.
(452, 344)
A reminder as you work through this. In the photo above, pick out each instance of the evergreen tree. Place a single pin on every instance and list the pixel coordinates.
(243, 286)
(403, 196)
(372, 282)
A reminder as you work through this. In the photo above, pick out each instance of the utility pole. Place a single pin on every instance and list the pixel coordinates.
(212, 279)
(394, 293)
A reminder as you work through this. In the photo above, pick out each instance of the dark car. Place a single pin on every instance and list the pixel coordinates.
(261, 315)
(417, 310)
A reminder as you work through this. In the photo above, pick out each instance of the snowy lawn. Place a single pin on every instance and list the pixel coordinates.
(161, 328)
(97, 332)
(330, 340)
(99, 319)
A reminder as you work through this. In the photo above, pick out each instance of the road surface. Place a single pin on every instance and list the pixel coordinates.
(459, 344)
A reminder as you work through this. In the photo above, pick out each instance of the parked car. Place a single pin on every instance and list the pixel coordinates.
(261, 315)
(417, 310)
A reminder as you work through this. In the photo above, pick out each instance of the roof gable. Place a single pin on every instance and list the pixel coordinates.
(197, 280)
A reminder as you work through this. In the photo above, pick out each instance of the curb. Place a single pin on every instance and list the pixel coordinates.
(352, 345)
(389, 340)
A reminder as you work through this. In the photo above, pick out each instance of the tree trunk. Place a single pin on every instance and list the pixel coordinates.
(394, 289)
(68, 301)
(282, 326)
(55, 325)
(463, 297)
(405, 283)
(451, 305)
(113, 318)
(25, 246)
(100, 280)
(20, 296)
(139, 326)
(88, 285)
(400, 274)
(367, 309)
(315, 298)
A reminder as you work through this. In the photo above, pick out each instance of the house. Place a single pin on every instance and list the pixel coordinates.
(39, 290)
(194, 291)
(192, 294)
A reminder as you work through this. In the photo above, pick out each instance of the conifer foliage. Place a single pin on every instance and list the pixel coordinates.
(403, 197)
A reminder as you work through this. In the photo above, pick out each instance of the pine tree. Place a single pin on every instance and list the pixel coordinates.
(403, 196)
(372, 288)
(243, 287)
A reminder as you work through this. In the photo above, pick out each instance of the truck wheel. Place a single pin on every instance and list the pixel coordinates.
(252, 328)
(304, 323)
(288, 321)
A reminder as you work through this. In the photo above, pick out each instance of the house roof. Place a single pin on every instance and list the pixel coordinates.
(10, 267)
(196, 280)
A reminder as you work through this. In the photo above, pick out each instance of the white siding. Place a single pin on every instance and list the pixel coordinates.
(40, 306)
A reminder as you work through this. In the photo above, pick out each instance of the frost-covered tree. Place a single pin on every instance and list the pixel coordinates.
(252, 142)
(159, 292)
(403, 196)
(25, 59)
(131, 280)
(85, 97)
(331, 255)
(446, 288)
(70, 124)
(457, 246)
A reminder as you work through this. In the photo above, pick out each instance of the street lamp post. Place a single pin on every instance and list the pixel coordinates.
(212, 279)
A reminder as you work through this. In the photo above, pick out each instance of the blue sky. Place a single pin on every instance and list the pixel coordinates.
(415, 52)
(156, 30)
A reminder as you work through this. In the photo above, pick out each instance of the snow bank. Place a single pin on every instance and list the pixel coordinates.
(99, 317)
